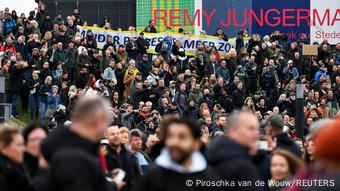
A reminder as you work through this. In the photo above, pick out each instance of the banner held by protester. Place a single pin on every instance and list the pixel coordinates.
(190, 42)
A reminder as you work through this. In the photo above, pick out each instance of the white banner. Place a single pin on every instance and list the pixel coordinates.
(190, 42)
(325, 21)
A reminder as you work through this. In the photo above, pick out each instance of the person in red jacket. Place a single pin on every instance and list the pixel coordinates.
(8, 46)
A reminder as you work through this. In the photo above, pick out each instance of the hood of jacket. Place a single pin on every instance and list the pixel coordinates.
(198, 162)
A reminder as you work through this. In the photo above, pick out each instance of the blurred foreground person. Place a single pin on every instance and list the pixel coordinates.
(229, 156)
(326, 166)
(72, 152)
(180, 161)
(283, 167)
(13, 176)
(33, 136)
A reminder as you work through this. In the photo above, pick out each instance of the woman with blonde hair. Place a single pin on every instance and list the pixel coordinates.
(203, 107)
(248, 105)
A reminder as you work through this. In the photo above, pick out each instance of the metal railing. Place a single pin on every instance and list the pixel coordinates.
(5, 112)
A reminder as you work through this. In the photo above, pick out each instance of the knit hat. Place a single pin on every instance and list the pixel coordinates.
(327, 142)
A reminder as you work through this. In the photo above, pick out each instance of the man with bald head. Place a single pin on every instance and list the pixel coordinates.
(119, 157)
(60, 55)
(229, 155)
(72, 151)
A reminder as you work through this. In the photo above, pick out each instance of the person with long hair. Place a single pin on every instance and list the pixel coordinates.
(248, 105)
(283, 166)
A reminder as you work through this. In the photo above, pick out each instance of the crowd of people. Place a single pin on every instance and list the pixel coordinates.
(162, 119)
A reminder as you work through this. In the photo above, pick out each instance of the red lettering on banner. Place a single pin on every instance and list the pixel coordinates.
(155, 17)
(172, 17)
(335, 18)
(272, 17)
(192, 22)
(302, 17)
(208, 17)
(244, 18)
(275, 18)
(252, 15)
(285, 17)
(316, 16)
(228, 22)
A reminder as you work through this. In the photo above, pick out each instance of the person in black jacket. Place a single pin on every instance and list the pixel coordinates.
(180, 160)
(274, 128)
(15, 78)
(142, 44)
(229, 157)
(13, 175)
(131, 49)
(220, 34)
(251, 75)
(225, 100)
(239, 39)
(151, 27)
(238, 96)
(119, 157)
(108, 44)
(72, 152)
(46, 25)
(22, 48)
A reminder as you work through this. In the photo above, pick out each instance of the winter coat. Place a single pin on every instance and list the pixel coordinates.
(232, 162)
(13, 176)
(284, 142)
(59, 56)
(171, 177)
(83, 170)
(124, 160)
(224, 73)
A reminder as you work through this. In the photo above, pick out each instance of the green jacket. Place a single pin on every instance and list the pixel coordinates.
(82, 60)
(72, 56)
(195, 96)
(241, 73)
(59, 56)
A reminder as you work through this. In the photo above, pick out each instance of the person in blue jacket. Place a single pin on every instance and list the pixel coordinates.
(321, 74)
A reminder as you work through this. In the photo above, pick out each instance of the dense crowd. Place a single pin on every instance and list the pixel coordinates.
(50, 68)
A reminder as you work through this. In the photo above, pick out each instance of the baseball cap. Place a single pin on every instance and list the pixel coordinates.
(275, 121)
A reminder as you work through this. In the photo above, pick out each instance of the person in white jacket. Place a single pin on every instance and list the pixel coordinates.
(109, 72)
